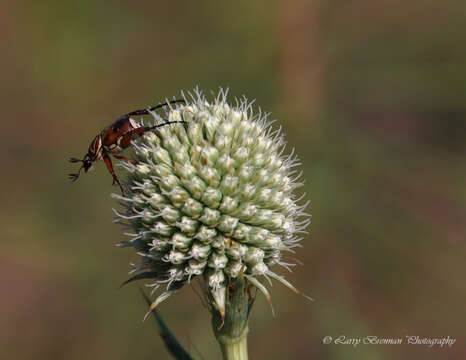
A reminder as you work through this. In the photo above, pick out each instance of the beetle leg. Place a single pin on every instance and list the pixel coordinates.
(108, 163)
(121, 157)
(75, 177)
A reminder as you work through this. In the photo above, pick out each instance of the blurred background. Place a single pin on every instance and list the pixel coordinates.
(372, 95)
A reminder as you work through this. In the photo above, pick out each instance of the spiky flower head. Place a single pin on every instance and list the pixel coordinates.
(213, 197)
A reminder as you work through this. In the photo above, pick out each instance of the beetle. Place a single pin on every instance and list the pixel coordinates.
(116, 137)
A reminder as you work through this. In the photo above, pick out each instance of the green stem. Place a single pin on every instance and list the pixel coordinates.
(234, 348)
(232, 330)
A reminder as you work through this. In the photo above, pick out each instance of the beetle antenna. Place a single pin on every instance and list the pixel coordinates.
(152, 108)
(148, 110)
(165, 123)
(74, 160)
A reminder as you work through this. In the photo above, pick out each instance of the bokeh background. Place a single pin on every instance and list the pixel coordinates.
(372, 94)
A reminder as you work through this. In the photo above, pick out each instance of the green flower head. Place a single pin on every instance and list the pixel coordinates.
(213, 198)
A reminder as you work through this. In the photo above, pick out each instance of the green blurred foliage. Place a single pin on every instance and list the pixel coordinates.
(371, 94)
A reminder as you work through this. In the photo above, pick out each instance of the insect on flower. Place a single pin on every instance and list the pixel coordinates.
(116, 137)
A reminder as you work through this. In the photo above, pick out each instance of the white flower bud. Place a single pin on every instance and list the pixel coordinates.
(212, 197)
(228, 205)
(205, 234)
(192, 208)
(210, 217)
(216, 279)
(234, 268)
(218, 261)
(181, 242)
(200, 252)
(254, 256)
(170, 214)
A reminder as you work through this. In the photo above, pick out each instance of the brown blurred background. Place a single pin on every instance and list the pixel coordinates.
(371, 93)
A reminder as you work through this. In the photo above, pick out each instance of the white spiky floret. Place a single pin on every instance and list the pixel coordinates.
(212, 197)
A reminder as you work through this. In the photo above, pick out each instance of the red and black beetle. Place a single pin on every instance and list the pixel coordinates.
(116, 137)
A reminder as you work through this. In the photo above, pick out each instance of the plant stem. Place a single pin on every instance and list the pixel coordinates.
(232, 331)
(234, 348)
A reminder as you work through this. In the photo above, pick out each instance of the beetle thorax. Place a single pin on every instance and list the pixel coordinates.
(95, 149)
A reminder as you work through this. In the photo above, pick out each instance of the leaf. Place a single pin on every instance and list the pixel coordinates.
(171, 343)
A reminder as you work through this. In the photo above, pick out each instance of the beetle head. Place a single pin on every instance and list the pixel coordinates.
(87, 164)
